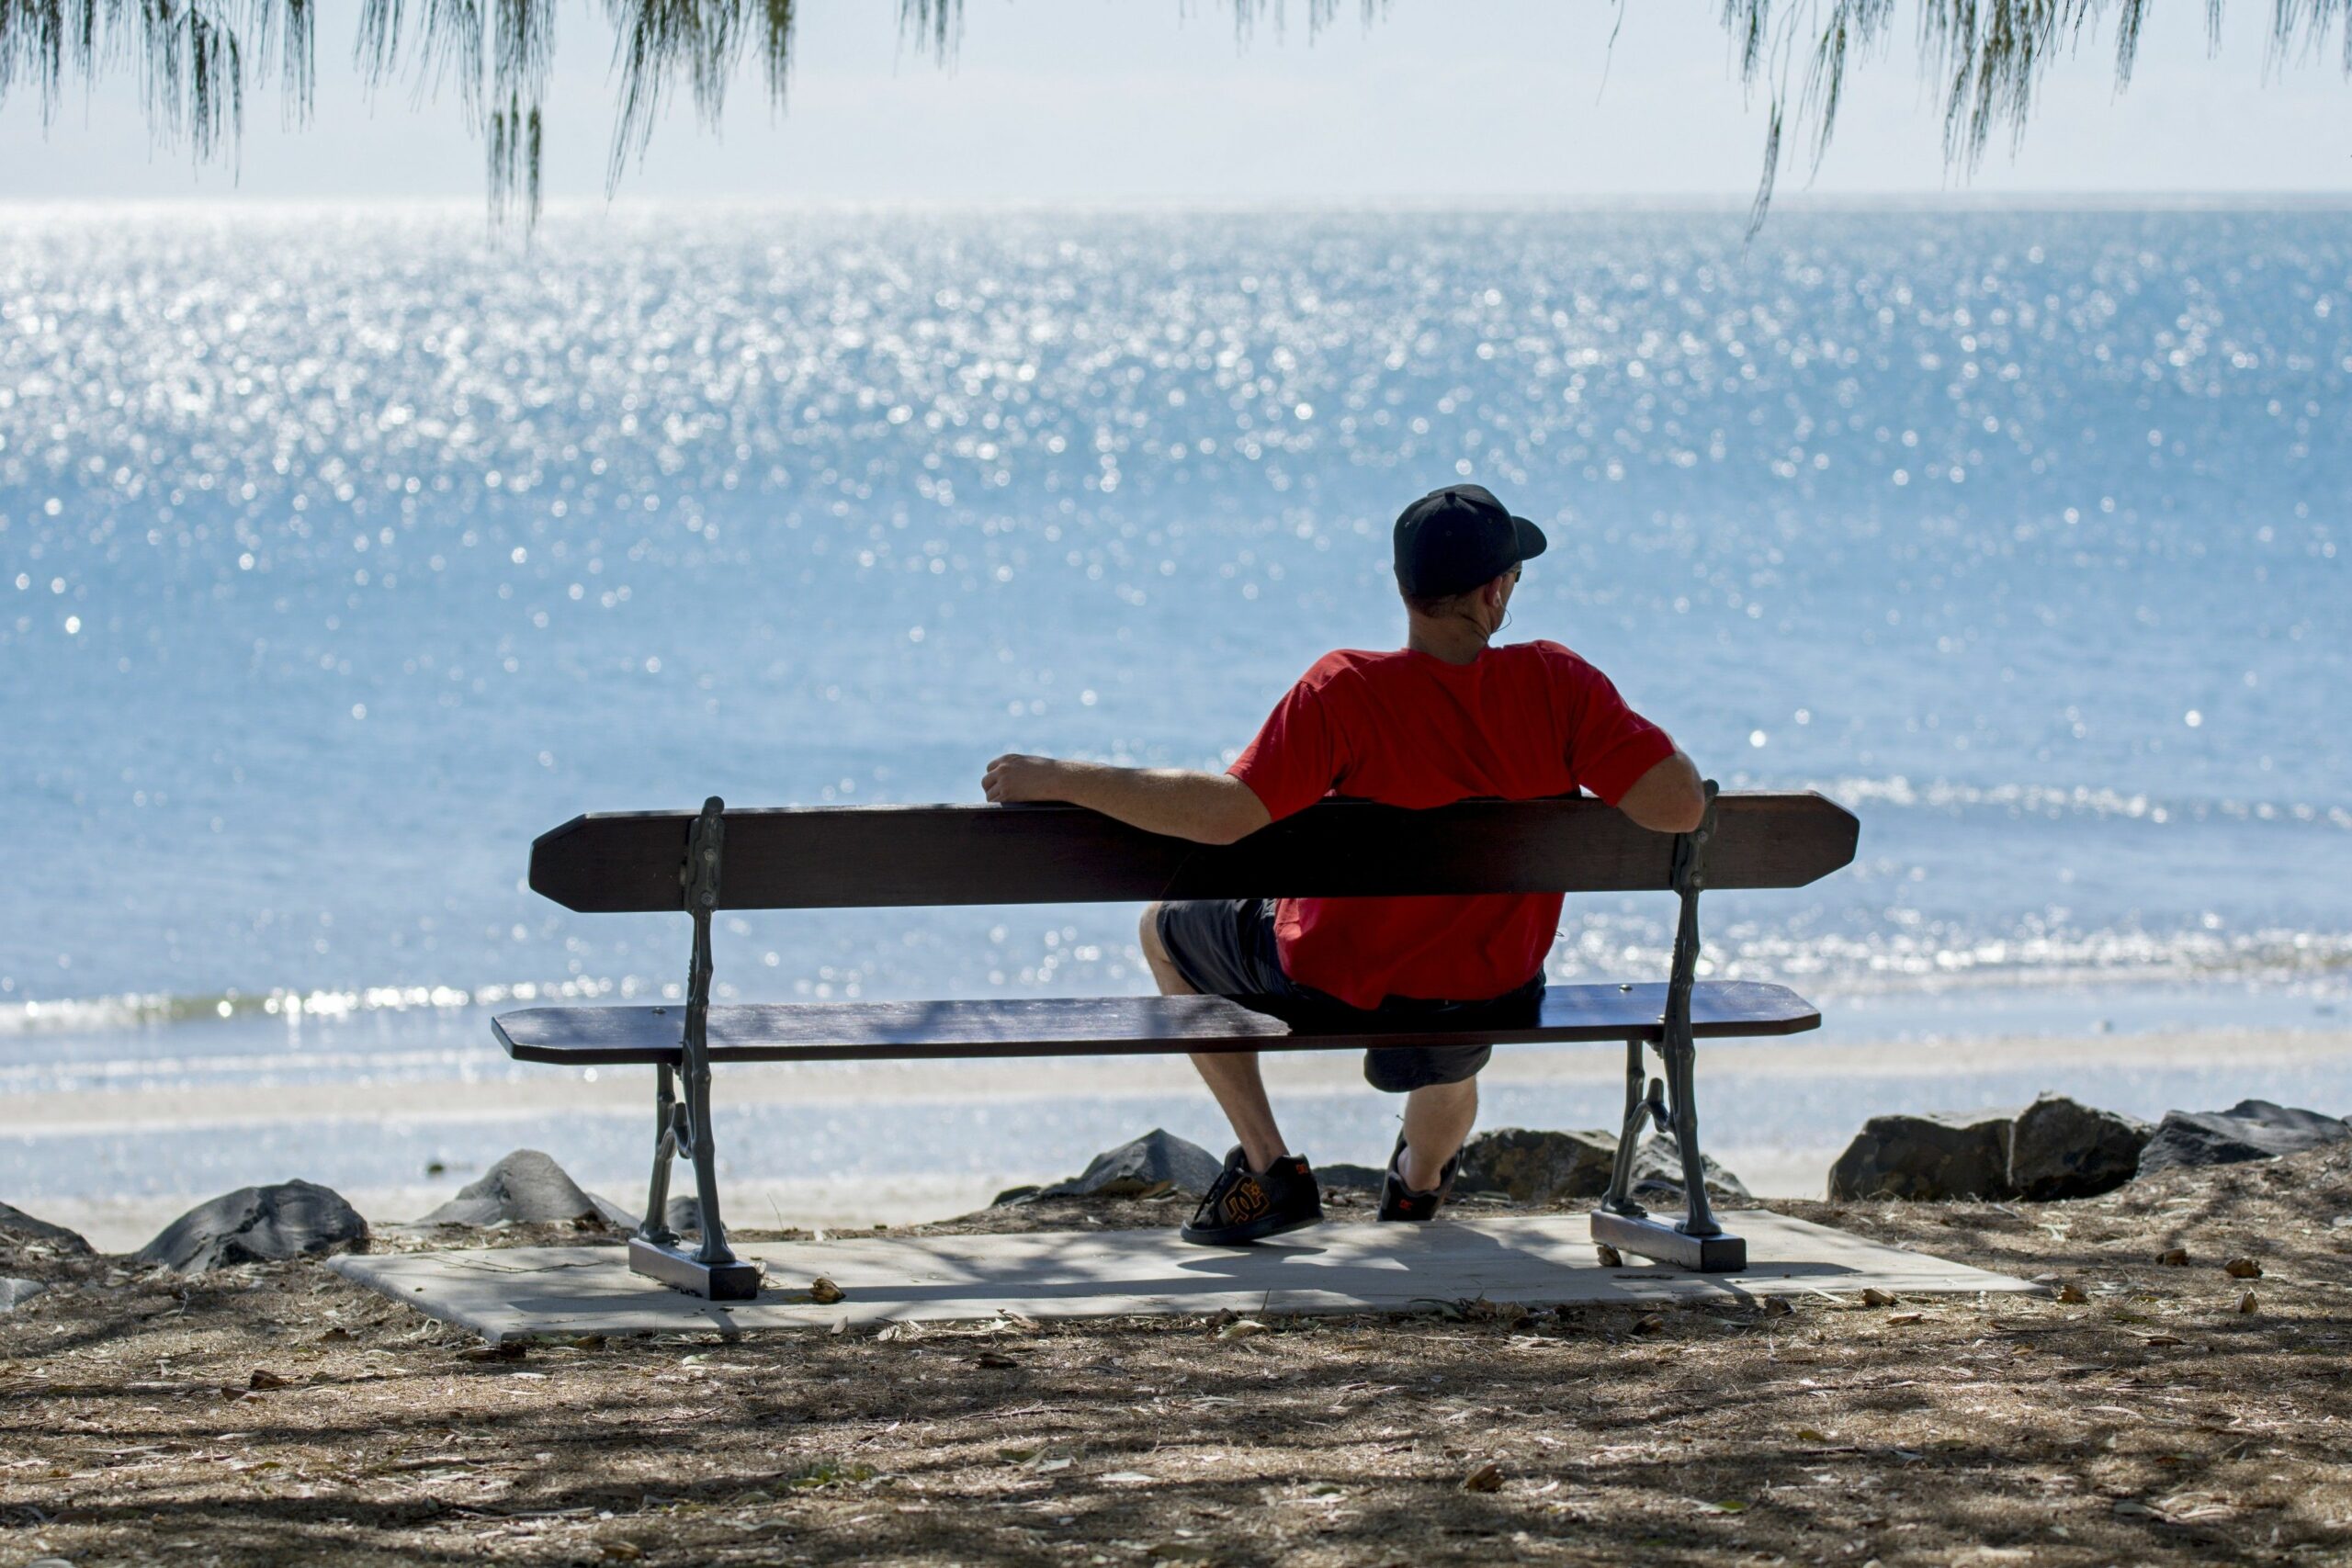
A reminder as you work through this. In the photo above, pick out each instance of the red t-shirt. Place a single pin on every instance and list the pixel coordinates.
(1405, 729)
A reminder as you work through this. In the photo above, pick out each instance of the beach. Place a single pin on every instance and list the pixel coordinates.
(1873, 556)
(344, 552)
(828, 1144)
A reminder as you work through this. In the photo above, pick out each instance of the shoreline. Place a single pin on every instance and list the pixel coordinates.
(956, 1114)
(38, 1113)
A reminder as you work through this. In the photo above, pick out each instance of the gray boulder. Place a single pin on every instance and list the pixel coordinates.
(1926, 1158)
(18, 1229)
(2062, 1148)
(1344, 1177)
(15, 1293)
(2250, 1130)
(1537, 1167)
(1140, 1167)
(1658, 1176)
(526, 1187)
(258, 1224)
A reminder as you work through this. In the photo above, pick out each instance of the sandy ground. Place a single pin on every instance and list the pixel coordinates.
(2174, 1413)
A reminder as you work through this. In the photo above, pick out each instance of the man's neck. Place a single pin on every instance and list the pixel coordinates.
(1456, 640)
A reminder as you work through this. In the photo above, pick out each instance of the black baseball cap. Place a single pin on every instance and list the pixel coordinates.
(1451, 540)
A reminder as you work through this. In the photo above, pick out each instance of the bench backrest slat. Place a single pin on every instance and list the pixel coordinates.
(886, 856)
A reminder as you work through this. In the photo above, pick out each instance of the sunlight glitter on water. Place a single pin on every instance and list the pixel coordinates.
(347, 552)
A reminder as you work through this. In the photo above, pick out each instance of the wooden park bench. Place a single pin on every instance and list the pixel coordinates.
(898, 856)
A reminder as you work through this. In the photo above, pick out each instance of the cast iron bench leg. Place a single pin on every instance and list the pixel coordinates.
(1697, 1242)
(712, 1271)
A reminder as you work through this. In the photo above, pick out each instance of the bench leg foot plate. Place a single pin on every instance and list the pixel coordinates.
(1659, 1241)
(735, 1280)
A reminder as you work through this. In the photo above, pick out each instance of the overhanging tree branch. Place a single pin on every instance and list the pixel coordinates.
(193, 58)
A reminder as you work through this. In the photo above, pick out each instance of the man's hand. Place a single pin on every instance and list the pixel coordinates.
(1014, 777)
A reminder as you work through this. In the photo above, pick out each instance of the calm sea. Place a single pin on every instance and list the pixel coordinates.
(341, 553)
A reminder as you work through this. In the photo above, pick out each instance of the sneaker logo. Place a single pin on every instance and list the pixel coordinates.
(1247, 1201)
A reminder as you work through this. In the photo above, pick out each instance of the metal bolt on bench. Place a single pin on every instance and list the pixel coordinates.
(898, 856)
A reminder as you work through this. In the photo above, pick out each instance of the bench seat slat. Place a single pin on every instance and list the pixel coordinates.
(1089, 1026)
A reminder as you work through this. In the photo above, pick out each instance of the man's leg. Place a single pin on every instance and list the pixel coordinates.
(1438, 1118)
(1232, 1076)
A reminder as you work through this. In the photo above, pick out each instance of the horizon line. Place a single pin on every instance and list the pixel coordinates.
(1401, 202)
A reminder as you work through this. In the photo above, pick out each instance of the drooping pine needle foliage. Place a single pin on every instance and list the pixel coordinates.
(1987, 56)
(193, 59)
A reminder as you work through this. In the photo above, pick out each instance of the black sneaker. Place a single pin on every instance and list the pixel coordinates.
(1399, 1201)
(1243, 1205)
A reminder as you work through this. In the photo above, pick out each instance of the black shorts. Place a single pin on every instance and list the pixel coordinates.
(1225, 947)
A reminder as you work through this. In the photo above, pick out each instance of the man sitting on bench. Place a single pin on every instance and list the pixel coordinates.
(1447, 718)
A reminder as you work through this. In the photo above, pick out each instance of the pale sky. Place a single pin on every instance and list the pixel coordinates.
(1155, 100)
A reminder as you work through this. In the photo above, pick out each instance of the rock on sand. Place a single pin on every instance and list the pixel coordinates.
(2250, 1130)
(526, 1187)
(1926, 1158)
(683, 1216)
(1533, 1166)
(1139, 1166)
(18, 1229)
(1658, 1176)
(2062, 1148)
(258, 1224)
(1341, 1176)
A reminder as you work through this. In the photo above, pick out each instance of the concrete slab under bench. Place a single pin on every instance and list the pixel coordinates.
(1542, 1260)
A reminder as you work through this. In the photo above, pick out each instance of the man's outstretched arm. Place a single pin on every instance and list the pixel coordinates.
(1208, 808)
(1668, 798)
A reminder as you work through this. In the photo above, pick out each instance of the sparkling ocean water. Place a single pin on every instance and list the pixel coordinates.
(343, 552)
